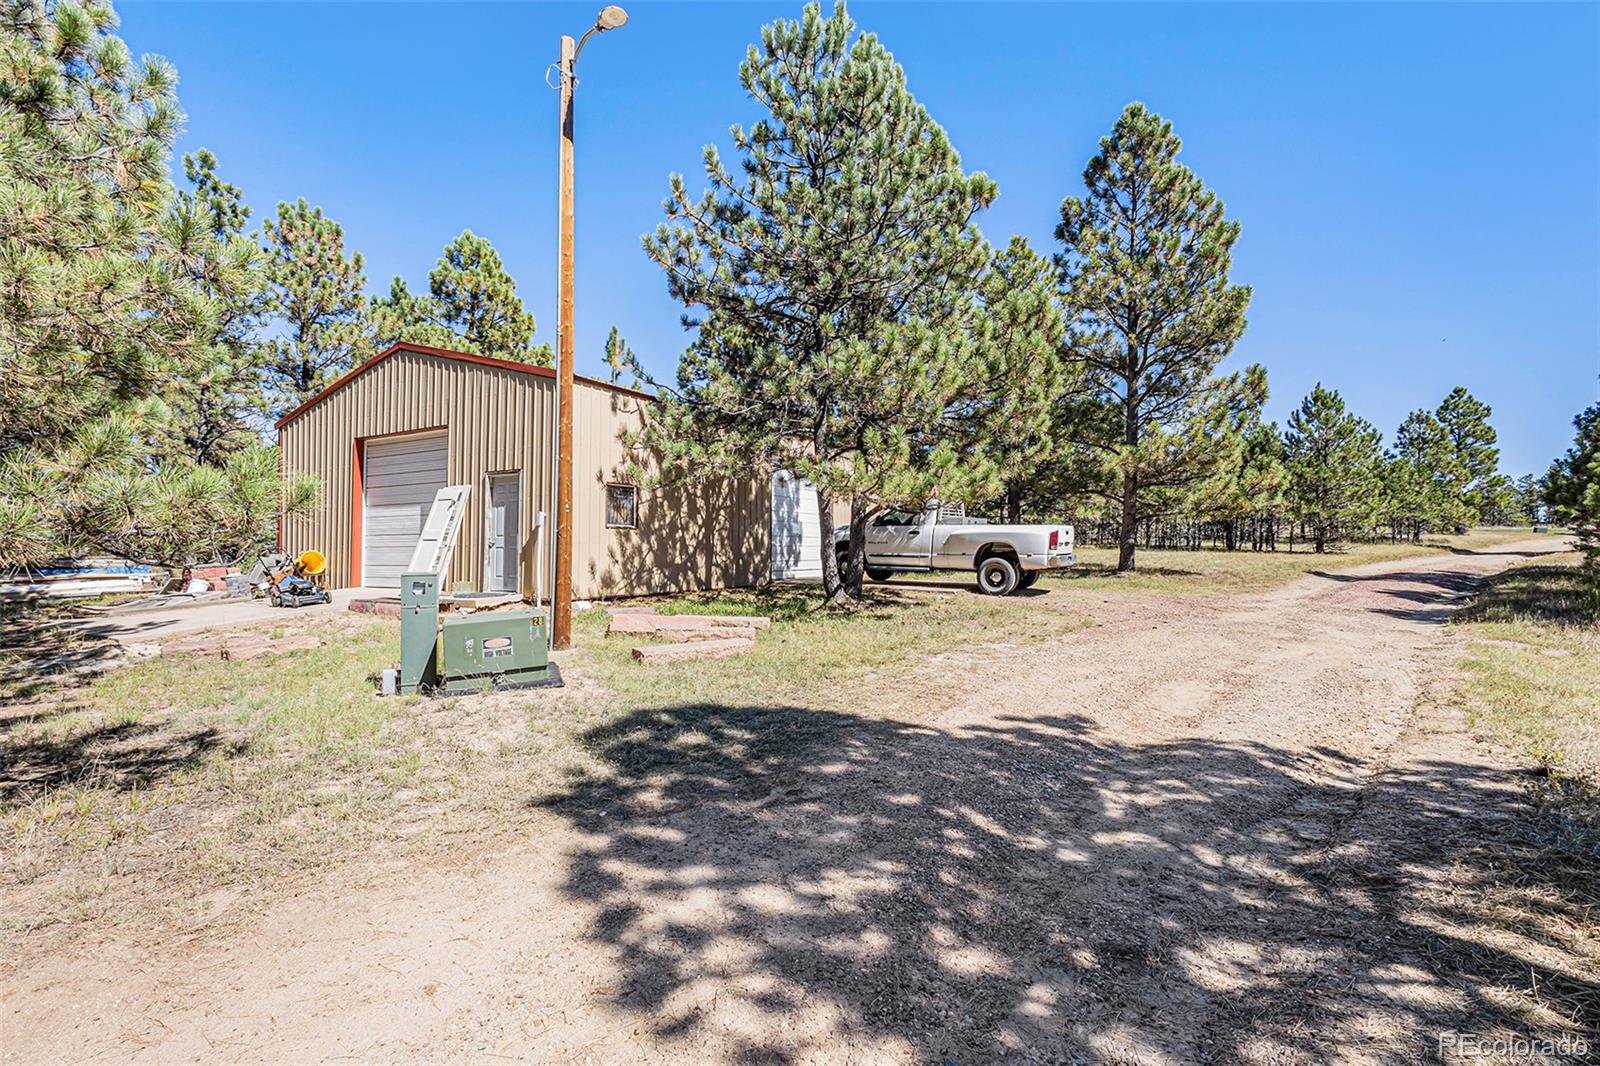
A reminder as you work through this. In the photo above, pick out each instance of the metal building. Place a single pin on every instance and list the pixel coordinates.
(386, 436)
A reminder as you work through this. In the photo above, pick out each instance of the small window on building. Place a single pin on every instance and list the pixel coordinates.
(622, 507)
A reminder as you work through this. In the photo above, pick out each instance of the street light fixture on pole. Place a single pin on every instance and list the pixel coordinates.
(561, 602)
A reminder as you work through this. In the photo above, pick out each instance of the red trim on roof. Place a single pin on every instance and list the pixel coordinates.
(446, 353)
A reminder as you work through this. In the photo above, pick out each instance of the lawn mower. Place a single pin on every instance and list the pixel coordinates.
(286, 582)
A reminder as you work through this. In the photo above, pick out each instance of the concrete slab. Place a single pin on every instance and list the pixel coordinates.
(175, 621)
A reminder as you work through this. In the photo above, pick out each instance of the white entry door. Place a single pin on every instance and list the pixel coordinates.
(399, 481)
(796, 532)
(503, 533)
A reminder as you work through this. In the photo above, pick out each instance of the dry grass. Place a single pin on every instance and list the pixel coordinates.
(202, 776)
(195, 774)
(210, 777)
(812, 655)
(1533, 685)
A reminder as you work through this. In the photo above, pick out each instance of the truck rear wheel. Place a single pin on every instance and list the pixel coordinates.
(879, 573)
(1028, 578)
(998, 576)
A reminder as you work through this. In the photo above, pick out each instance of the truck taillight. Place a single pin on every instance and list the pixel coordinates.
(1055, 538)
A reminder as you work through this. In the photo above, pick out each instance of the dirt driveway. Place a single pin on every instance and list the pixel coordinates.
(1238, 830)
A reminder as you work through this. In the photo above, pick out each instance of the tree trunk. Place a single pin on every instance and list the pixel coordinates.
(1013, 505)
(856, 568)
(1127, 542)
(832, 580)
(1128, 534)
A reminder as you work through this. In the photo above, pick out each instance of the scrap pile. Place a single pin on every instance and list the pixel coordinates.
(83, 579)
(693, 636)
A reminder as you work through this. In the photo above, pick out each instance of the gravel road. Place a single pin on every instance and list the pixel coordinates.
(1243, 829)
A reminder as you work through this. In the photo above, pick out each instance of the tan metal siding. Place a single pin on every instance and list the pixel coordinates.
(496, 420)
(711, 535)
(706, 535)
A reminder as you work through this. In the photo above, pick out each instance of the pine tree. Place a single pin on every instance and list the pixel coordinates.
(1530, 499)
(215, 392)
(1572, 492)
(94, 304)
(1021, 332)
(100, 495)
(472, 305)
(1152, 314)
(1500, 502)
(1422, 481)
(1250, 479)
(119, 294)
(1466, 422)
(1334, 464)
(834, 279)
(404, 316)
(619, 357)
(317, 295)
(1263, 482)
(477, 300)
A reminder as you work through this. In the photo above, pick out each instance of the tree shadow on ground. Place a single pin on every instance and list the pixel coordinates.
(38, 654)
(1495, 553)
(1436, 593)
(1080, 570)
(785, 883)
(951, 583)
(1554, 594)
(120, 756)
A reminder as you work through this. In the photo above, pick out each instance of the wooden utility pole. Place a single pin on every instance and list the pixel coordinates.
(561, 602)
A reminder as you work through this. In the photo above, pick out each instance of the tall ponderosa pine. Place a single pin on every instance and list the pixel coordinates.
(1020, 335)
(1249, 482)
(95, 304)
(1152, 314)
(215, 393)
(317, 296)
(114, 290)
(1572, 492)
(1466, 422)
(1422, 479)
(1334, 465)
(833, 274)
(472, 305)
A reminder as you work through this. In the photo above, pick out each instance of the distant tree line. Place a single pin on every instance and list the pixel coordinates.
(1326, 480)
(148, 334)
(850, 322)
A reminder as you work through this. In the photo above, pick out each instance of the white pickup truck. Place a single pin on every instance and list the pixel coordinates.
(1006, 558)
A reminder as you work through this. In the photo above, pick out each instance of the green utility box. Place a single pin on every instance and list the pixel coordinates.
(419, 630)
(496, 649)
(502, 649)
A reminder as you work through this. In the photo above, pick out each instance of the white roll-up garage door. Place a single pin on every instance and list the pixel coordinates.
(796, 533)
(399, 480)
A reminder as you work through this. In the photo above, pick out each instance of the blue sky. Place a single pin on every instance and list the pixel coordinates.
(1419, 185)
